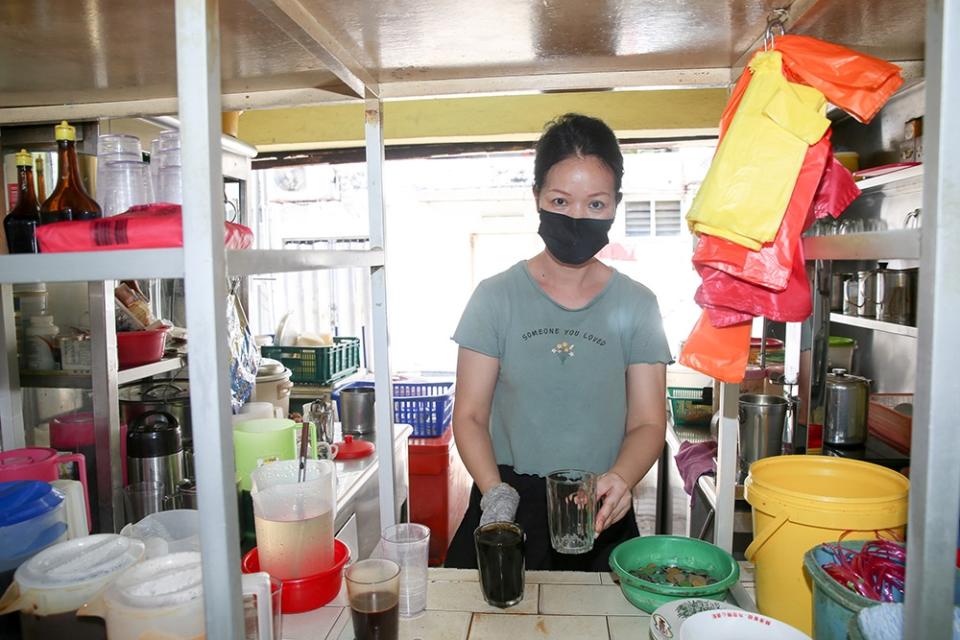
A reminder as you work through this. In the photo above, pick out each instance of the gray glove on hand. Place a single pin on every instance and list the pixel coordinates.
(499, 504)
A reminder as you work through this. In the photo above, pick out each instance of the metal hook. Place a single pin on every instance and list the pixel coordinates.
(776, 22)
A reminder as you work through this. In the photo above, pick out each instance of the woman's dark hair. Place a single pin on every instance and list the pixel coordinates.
(573, 134)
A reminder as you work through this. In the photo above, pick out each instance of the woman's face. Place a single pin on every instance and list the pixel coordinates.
(579, 188)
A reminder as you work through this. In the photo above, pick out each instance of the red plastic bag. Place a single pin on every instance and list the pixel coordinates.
(154, 226)
(836, 191)
(718, 353)
(857, 83)
(722, 293)
(770, 266)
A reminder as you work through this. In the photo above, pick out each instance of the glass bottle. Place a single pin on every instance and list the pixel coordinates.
(41, 180)
(68, 201)
(20, 224)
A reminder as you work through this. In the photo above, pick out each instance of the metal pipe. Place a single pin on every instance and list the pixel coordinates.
(227, 143)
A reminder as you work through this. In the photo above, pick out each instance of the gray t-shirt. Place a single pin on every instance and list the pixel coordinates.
(560, 399)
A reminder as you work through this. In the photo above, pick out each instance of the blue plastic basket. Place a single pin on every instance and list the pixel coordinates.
(426, 406)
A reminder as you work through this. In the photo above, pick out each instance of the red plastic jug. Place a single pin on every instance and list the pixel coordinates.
(39, 463)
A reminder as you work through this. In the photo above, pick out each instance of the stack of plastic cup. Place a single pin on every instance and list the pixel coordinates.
(409, 545)
(122, 176)
(168, 186)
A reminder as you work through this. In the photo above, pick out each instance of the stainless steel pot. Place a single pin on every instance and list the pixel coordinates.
(867, 293)
(896, 296)
(845, 418)
(171, 396)
(852, 289)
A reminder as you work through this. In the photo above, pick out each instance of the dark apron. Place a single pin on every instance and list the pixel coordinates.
(532, 516)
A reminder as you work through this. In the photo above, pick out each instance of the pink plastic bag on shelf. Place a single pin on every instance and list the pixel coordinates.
(837, 190)
(153, 226)
(729, 300)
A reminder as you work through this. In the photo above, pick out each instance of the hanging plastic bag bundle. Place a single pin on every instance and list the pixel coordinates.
(746, 191)
(718, 353)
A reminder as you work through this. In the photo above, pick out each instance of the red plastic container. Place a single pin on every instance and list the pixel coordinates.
(439, 490)
(312, 592)
(135, 348)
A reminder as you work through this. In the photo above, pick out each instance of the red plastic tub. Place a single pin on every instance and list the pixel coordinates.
(312, 592)
(135, 348)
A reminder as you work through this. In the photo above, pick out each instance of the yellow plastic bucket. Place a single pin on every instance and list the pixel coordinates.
(802, 501)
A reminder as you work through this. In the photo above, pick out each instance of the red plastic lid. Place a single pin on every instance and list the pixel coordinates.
(351, 449)
(27, 457)
(72, 430)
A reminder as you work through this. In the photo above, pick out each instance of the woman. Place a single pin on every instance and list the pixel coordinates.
(561, 363)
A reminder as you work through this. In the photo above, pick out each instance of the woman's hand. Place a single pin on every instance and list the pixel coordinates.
(616, 496)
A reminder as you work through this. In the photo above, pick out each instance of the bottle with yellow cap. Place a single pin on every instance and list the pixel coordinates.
(68, 201)
(20, 224)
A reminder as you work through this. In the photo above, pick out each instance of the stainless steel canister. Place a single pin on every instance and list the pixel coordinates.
(866, 293)
(838, 282)
(852, 291)
(845, 417)
(155, 450)
(762, 419)
(356, 410)
(897, 295)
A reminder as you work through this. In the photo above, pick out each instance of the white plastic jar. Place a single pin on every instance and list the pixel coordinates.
(40, 343)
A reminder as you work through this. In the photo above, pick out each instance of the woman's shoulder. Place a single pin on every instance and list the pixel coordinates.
(506, 278)
(634, 291)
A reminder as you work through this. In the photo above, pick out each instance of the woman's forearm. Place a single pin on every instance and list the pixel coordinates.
(641, 448)
(476, 451)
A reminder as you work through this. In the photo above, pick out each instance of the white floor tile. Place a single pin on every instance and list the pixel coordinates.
(535, 627)
(629, 627)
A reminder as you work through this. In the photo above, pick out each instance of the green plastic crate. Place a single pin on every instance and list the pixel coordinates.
(686, 407)
(318, 365)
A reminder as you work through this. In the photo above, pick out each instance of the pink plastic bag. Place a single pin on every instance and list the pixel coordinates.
(837, 190)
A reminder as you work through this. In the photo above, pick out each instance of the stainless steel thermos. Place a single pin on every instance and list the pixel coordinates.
(155, 450)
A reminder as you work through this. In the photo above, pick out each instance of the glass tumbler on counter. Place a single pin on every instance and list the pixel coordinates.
(571, 510)
(373, 588)
(409, 546)
(500, 559)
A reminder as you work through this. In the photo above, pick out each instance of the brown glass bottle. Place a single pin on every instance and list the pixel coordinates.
(41, 180)
(68, 201)
(20, 224)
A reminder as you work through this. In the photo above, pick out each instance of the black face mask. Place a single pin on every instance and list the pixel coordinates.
(573, 240)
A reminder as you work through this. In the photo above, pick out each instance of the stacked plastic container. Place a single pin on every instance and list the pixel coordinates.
(165, 167)
(123, 178)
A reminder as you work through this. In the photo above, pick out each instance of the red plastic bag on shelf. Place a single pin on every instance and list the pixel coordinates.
(153, 226)
(836, 192)
(729, 300)
(770, 266)
(718, 353)
(857, 83)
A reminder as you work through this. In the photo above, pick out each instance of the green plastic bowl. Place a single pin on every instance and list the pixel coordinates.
(671, 550)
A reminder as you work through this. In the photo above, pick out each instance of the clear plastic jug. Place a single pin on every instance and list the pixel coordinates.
(294, 520)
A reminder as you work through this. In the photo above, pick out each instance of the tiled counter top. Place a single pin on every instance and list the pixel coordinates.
(557, 605)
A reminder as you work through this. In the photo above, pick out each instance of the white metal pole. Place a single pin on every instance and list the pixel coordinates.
(106, 418)
(11, 400)
(378, 294)
(727, 465)
(935, 474)
(198, 88)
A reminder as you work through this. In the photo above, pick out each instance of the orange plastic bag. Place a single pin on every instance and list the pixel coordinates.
(857, 83)
(770, 266)
(718, 353)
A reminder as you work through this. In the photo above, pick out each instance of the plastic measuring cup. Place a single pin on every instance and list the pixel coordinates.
(294, 520)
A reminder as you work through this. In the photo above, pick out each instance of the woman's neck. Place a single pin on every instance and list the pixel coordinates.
(548, 270)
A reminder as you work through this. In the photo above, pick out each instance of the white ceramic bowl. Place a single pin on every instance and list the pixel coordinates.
(737, 625)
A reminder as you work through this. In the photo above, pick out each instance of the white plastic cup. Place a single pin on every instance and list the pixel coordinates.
(409, 545)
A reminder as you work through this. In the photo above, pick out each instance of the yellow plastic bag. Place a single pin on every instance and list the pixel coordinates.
(749, 184)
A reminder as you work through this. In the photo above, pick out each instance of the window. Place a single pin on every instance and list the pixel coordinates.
(645, 218)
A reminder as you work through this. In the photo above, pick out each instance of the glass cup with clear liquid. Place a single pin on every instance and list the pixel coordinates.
(294, 520)
(571, 510)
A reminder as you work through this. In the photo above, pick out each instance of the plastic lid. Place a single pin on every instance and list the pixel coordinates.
(24, 159)
(23, 500)
(167, 581)
(351, 449)
(839, 341)
(72, 430)
(88, 559)
(65, 132)
(154, 434)
(19, 459)
(269, 368)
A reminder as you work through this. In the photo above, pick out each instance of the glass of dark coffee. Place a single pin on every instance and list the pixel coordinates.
(501, 563)
(373, 587)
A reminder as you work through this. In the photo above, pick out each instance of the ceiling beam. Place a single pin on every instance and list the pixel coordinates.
(303, 26)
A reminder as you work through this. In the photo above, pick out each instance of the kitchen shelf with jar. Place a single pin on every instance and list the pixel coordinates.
(875, 325)
(77, 380)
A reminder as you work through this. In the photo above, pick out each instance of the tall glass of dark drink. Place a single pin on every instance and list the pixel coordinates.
(501, 563)
(373, 587)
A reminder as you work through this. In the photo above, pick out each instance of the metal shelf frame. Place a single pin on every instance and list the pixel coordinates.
(902, 244)
(875, 325)
(935, 496)
(79, 380)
